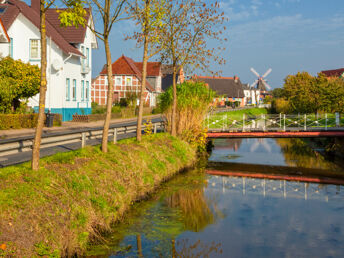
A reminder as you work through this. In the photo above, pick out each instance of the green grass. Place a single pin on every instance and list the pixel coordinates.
(75, 196)
(215, 121)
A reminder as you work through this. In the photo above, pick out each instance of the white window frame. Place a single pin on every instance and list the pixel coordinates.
(67, 89)
(120, 78)
(74, 90)
(131, 79)
(38, 50)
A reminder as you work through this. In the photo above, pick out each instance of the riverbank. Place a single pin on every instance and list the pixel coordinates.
(76, 196)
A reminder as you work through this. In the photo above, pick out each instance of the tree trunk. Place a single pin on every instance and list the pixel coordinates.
(42, 91)
(143, 87)
(109, 96)
(174, 105)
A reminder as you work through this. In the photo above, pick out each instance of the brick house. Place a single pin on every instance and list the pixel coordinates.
(127, 77)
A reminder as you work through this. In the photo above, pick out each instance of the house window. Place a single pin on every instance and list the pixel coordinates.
(88, 57)
(67, 89)
(35, 49)
(83, 59)
(74, 90)
(128, 81)
(82, 90)
(10, 52)
(87, 90)
(118, 80)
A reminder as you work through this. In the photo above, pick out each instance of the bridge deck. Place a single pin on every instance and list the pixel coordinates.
(275, 134)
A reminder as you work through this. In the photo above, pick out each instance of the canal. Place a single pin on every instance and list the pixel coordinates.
(203, 214)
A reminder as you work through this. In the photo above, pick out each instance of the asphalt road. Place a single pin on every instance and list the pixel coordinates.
(21, 157)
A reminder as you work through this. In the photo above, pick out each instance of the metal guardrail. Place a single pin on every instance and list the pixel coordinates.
(25, 143)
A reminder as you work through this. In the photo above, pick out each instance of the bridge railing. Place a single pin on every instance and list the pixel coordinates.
(277, 122)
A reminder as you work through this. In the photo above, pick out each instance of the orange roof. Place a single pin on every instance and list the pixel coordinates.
(213, 77)
(126, 66)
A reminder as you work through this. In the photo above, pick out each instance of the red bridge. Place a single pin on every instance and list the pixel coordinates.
(275, 134)
(220, 125)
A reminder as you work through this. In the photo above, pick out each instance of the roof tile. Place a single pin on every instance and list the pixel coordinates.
(15, 7)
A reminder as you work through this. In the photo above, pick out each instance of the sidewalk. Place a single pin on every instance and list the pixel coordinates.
(13, 133)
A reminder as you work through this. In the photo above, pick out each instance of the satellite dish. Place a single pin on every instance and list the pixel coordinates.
(56, 64)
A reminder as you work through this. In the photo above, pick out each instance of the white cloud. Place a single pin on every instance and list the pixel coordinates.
(288, 31)
(240, 12)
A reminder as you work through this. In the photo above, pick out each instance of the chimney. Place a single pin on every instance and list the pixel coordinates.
(236, 78)
(35, 4)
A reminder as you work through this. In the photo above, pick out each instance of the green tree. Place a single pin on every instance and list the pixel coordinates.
(310, 94)
(278, 93)
(108, 13)
(301, 92)
(189, 24)
(148, 15)
(76, 20)
(18, 81)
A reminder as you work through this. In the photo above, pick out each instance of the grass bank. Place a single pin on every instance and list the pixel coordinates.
(216, 120)
(76, 196)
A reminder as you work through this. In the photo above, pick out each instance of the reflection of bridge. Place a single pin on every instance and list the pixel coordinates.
(277, 188)
(270, 125)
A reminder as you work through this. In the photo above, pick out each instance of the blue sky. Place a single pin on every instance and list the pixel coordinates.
(286, 35)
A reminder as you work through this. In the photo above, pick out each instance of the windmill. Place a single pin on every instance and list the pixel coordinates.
(260, 83)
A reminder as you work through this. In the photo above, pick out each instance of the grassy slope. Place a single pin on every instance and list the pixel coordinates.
(234, 115)
(76, 195)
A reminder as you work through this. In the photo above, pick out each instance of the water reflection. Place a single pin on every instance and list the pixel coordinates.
(298, 154)
(156, 226)
(194, 207)
(290, 152)
(199, 215)
(276, 188)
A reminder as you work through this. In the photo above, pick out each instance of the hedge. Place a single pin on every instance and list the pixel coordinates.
(17, 121)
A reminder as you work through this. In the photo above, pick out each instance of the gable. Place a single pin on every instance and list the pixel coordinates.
(16, 7)
(120, 66)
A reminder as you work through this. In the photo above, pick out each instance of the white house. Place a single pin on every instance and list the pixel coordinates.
(69, 55)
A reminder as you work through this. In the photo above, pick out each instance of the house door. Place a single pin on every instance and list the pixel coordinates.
(115, 97)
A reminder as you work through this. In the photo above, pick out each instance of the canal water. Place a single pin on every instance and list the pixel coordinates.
(201, 215)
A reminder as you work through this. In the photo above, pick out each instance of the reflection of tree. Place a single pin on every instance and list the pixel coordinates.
(297, 153)
(193, 205)
(197, 249)
(180, 205)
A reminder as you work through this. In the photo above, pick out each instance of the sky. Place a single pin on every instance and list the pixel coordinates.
(285, 35)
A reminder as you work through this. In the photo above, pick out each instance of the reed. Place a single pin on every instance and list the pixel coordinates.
(193, 102)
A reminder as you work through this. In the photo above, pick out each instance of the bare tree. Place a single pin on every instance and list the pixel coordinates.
(109, 12)
(148, 15)
(189, 24)
(75, 18)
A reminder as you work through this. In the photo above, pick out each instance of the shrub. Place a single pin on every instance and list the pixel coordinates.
(193, 102)
(228, 103)
(17, 121)
(123, 102)
(18, 81)
(96, 109)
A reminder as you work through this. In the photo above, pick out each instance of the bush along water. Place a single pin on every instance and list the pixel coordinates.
(75, 197)
(193, 102)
